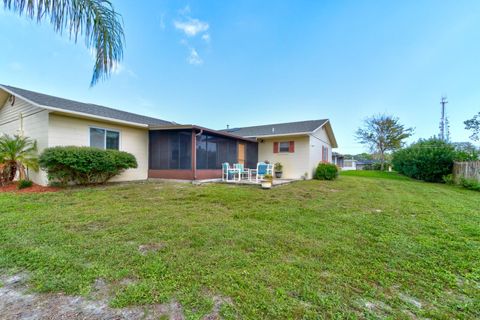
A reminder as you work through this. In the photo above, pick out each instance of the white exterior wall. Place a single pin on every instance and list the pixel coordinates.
(35, 126)
(295, 164)
(68, 131)
(318, 139)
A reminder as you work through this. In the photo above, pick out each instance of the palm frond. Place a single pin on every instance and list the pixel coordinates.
(95, 20)
(18, 152)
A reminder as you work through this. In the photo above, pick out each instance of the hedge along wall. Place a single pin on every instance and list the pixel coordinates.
(467, 170)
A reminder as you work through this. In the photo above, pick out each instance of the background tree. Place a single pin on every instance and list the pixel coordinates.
(383, 133)
(17, 153)
(95, 20)
(474, 125)
(466, 151)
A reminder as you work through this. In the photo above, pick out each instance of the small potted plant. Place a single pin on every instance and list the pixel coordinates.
(267, 181)
(278, 167)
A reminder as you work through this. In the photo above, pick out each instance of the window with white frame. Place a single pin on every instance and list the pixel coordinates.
(284, 146)
(104, 138)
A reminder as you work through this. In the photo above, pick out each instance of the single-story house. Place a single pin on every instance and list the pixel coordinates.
(365, 164)
(338, 159)
(298, 146)
(163, 149)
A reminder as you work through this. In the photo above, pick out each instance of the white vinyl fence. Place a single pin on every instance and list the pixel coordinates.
(467, 170)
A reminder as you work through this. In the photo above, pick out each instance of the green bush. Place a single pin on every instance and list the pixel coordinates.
(22, 184)
(326, 171)
(471, 184)
(84, 165)
(427, 160)
(448, 179)
(378, 166)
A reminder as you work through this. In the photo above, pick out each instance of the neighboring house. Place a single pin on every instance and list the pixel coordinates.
(337, 159)
(163, 149)
(366, 164)
(342, 163)
(349, 164)
(298, 146)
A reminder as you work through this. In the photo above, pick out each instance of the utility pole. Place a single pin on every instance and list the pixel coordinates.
(443, 121)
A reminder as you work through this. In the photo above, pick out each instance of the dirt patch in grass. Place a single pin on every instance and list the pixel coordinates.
(18, 302)
(35, 188)
(144, 249)
(218, 302)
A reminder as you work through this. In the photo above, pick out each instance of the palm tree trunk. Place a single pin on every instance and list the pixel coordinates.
(12, 171)
(21, 171)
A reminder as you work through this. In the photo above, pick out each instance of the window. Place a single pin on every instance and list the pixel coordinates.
(324, 154)
(104, 139)
(284, 146)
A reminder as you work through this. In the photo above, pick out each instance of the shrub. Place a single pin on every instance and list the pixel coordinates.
(326, 171)
(278, 167)
(448, 179)
(84, 165)
(471, 184)
(22, 184)
(427, 160)
(378, 166)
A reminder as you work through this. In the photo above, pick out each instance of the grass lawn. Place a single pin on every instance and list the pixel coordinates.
(364, 246)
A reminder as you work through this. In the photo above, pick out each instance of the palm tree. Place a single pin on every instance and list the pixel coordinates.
(17, 153)
(95, 20)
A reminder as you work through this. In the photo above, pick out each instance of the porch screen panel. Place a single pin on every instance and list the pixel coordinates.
(185, 142)
(214, 150)
(202, 152)
(252, 155)
(170, 150)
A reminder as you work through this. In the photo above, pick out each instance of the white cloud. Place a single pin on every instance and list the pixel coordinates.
(206, 37)
(194, 30)
(191, 27)
(194, 58)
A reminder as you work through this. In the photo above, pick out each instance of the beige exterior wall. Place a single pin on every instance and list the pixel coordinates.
(305, 159)
(318, 139)
(294, 164)
(29, 120)
(69, 131)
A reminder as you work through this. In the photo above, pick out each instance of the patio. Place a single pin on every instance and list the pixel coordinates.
(275, 182)
(238, 174)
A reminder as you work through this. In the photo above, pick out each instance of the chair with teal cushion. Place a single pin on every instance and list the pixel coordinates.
(261, 171)
(241, 170)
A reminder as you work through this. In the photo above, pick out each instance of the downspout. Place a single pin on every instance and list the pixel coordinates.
(194, 152)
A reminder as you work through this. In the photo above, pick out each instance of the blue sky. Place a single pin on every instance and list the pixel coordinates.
(242, 63)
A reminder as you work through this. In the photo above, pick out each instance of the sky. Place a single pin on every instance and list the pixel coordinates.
(244, 63)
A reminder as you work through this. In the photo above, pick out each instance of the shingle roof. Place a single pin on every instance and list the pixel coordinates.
(87, 108)
(278, 128)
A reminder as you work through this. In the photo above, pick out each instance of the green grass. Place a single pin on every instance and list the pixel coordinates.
(374, 174)
(357, 247)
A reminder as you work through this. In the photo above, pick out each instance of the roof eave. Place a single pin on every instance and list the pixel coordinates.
(95, 117)
(82, 114)
(280, 135)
